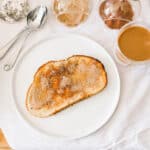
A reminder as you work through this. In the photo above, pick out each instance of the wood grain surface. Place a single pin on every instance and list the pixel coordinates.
(3, 143)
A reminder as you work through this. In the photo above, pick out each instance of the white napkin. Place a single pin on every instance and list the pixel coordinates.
(128, 129)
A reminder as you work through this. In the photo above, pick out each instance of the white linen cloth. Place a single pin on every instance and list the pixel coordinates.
(128, 129)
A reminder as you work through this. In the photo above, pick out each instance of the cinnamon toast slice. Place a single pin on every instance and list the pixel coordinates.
(59, 84)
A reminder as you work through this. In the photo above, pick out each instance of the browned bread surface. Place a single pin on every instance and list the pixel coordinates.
(59, 84)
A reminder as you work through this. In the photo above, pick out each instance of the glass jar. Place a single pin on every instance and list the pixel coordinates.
(117, 13)
(119, 55)
(71, 12)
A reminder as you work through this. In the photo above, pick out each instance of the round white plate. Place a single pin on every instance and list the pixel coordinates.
(82, 118)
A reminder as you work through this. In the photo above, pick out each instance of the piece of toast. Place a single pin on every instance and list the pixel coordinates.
(59, 84)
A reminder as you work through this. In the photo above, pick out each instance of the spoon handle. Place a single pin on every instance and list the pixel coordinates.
(4, 50)
(16, 52)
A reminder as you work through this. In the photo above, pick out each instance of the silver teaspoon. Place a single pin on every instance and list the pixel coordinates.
(35, 19)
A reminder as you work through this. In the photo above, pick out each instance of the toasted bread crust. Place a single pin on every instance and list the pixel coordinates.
(46, 110)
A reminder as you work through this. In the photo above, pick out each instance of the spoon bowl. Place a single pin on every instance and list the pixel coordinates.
(36, 18)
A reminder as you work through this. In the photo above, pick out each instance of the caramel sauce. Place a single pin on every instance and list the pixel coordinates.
(134, 42)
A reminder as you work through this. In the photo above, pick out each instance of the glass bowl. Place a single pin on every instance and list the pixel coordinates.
(14, 11)
(72, 12)
(117, 13)
(119, 56)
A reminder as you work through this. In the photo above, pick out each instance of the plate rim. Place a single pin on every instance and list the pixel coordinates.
(36, 129)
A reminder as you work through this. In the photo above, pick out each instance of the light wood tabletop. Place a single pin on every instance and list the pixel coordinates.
(3, 142)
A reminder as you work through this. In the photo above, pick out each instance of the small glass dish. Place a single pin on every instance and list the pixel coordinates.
(14, 11)
(119, 56)
(117, 13)
(72, 12)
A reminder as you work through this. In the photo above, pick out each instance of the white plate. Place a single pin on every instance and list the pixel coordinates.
(82, 118)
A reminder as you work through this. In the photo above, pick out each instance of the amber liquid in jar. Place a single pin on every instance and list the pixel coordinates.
(71, 12)
(134, 43)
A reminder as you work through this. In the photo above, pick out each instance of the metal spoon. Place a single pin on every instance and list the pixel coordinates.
(35, 19)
